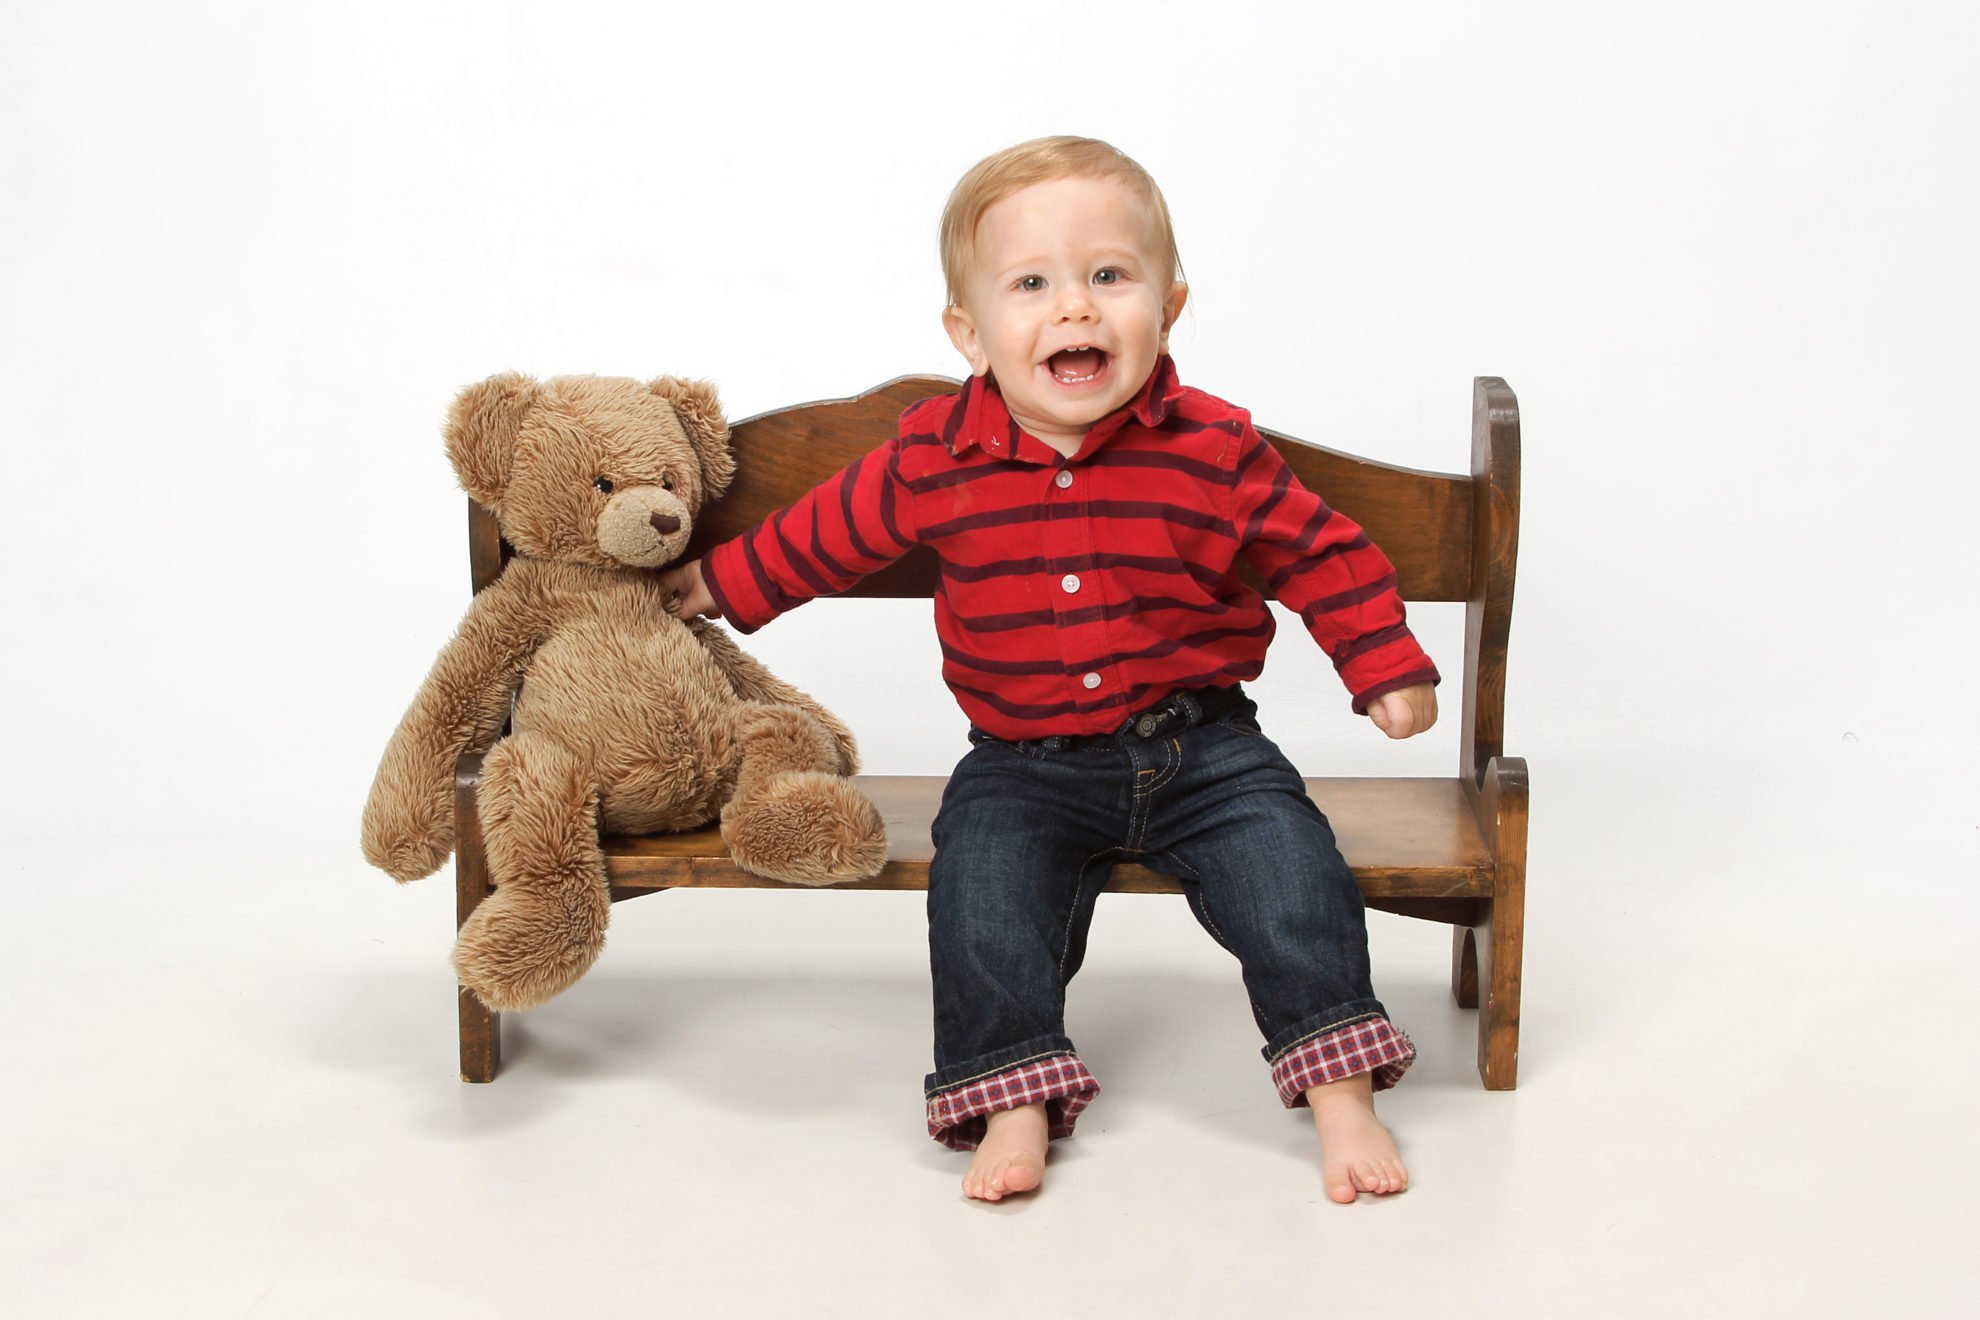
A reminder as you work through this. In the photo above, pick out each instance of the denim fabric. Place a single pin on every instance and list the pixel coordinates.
(1027, 832)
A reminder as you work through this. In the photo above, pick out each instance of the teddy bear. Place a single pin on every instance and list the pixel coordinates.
(623, 718)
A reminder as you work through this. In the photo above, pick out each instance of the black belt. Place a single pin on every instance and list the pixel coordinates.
(1179, 710)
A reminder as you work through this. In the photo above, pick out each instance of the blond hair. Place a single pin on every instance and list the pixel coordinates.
(1040, 160)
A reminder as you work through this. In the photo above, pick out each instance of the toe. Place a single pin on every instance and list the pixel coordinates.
(1021, 1176)
(1339, 1185)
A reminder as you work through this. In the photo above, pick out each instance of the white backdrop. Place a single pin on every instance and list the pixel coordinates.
(1725, 253)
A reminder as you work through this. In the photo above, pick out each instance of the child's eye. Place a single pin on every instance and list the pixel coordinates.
(1031, 283)
(1108, 276)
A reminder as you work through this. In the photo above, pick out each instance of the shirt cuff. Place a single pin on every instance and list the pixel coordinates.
(1384, 661)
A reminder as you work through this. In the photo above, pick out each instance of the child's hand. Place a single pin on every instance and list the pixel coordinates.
(687, 596)
(1406, 711)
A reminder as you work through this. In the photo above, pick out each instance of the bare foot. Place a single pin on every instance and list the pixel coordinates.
(1357, 1152)
(1011, 1157)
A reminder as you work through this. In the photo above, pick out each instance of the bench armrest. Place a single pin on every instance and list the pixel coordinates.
(1500, 799)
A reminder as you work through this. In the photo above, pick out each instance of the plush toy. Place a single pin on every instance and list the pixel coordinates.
(623, 717)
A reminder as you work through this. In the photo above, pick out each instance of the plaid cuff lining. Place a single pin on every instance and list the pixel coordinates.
(956, 1117)
(1370, 1045)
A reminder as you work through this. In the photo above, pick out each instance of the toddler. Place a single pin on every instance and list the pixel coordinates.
(1088, 511)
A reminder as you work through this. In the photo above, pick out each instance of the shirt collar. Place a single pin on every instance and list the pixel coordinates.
(985, 423)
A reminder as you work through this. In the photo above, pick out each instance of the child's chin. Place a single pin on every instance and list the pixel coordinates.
(1088, 410)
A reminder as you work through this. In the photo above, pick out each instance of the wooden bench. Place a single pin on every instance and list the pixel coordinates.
(1450, 850)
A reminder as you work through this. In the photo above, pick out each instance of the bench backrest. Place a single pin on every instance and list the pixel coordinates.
(1451, 537)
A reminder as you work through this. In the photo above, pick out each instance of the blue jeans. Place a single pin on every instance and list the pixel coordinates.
(1028, 831)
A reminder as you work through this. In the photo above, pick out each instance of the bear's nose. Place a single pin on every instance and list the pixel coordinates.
(665, 523)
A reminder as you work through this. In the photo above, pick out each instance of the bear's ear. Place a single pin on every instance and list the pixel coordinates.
(700, 414)
(481, 434)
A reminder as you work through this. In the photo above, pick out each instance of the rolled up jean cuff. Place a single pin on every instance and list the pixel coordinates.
(1366, 1045)
(958, 1116)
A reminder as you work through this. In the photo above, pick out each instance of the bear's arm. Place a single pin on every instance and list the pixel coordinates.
(753, 682)
(409, 818)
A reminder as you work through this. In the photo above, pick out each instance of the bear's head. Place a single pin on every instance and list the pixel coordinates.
(602, 470)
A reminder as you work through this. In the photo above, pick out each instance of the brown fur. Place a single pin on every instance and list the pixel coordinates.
(623, 717)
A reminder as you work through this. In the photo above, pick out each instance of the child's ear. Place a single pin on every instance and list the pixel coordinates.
(962, 333)
(1172, 306)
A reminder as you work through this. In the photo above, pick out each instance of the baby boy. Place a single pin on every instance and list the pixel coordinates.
(1089, 513)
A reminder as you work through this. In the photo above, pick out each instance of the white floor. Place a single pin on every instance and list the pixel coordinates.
(1747, 1087)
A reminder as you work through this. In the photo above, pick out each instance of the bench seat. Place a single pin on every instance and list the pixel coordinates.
(1405, 838)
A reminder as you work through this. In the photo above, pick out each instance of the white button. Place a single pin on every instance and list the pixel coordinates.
(1070, 582)
(1063, 480)
(1091, 680)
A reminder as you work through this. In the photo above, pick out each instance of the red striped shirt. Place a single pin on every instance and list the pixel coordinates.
(1077, 591)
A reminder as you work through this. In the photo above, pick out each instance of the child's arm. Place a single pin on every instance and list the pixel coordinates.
(849, 525)
(1321, 564)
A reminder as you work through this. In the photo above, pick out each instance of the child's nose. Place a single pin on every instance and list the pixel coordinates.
(1074, 305)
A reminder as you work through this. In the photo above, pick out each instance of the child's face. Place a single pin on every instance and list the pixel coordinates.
(1066, 304)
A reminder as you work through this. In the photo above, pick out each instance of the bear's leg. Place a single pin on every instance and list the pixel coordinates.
(793, 817)
(545, 922)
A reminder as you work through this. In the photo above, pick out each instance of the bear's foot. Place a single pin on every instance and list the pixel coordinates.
(806, 827)
(527, 943)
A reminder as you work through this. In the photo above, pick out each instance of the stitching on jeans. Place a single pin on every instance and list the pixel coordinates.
(1137, 805)
(1079, 887)
(1334, 1026)
(971, 1081)
(1203, 906)
(1174, 766)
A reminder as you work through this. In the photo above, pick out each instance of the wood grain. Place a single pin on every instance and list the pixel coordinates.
(1405, 838)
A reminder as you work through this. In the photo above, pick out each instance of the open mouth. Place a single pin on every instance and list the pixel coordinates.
(1078, 366)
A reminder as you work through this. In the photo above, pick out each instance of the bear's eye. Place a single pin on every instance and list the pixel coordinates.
(666, 483)
(604, 485)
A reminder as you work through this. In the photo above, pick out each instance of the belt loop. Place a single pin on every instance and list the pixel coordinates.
(1190, 709)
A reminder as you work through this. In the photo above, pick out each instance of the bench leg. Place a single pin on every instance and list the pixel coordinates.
(1498, 949)
(1464, 967)
(1496, 944)
(481, 1028)
(481, 1038)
